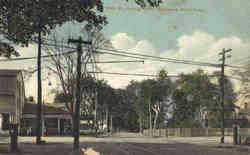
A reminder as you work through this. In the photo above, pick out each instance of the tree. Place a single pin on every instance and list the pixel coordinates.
(7, 50)
(107, 102)
(145, 92)
(138, 102)
(244, 77)
(161, 92)
(229, 106)
(130, 102)
(197, 97)
(192, 96)
(150, 99)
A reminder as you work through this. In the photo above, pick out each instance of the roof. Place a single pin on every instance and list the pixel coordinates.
(9, 72)
(31, 108)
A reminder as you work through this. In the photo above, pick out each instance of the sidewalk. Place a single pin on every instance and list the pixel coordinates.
(212, 142)
(4, 139)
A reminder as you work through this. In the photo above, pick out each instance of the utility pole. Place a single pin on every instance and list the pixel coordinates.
(39, 89)
(223, 59)
(96, 110)
(76, 121)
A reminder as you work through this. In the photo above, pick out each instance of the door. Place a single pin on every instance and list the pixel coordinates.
(61, 126)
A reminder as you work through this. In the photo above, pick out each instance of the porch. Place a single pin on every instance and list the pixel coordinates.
(55, 120)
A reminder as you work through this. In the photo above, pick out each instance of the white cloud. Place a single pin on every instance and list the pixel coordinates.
(122, 41)
(198, 46)
(191, 46)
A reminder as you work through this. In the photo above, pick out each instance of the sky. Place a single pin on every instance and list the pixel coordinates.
(182, 29)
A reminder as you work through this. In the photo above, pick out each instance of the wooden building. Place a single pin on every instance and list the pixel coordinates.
(56, 120)
(12, 97)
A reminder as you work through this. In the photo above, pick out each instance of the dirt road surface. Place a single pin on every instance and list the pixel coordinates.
(125, 144)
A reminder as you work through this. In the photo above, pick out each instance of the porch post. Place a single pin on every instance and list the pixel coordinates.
(43, 127)
(58, 126)
(1, 121)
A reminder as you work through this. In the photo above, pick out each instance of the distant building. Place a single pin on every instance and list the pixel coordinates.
(56, 120)
(12, 97)
(243, 113)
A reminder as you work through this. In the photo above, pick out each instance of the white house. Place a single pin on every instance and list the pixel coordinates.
(55, 119)
(12, 97)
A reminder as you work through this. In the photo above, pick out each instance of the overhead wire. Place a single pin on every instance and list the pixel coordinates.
(241, 60)
(172, 60)
(157, 57)
(158, 60)
(141, 74)
(142, 56)
(147, 57)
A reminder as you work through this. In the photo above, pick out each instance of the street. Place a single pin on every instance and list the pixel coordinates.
(127, 144)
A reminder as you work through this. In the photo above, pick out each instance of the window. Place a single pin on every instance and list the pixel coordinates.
(245, 106)
(51, 122)
(6, 121)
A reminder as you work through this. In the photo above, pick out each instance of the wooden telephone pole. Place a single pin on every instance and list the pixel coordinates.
(223, 54)
(76, 121)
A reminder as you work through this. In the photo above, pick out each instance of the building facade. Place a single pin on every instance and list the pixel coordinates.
(55, 120)
(12, 97)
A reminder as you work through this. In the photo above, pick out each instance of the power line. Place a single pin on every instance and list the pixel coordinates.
(144, 56)
(237, 67)
(172, 60)
(161, 58)
(116, 54)
(130, 74)
(47, 56)
(115, 61)
(30, 58)
(141, 56)
(136, 74)
(240, 60)
(158, 60)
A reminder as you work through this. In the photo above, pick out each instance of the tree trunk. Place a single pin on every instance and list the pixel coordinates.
(156, 109)
(72, 125)
(107, 120)
(101, 115)
(150, 118)
(111, 123)
(96, 120)
(140, 128)
(155, 120)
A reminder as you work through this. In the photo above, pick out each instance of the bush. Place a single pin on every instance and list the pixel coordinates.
(90, 132)
(185, 124)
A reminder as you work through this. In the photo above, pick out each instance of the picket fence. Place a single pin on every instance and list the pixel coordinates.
(196, 132)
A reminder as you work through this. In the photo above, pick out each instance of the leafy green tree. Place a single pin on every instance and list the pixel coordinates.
(161, 92)
(130, 100)
(149, 99)
(244, 77)
(108, 101)
(197, 95)
(229, 100)
(192, 96)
